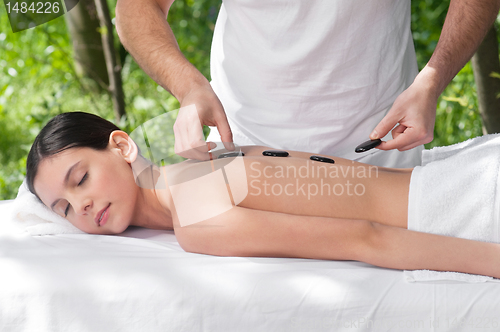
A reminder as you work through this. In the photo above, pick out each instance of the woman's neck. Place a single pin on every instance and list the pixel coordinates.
(150, 213)
(150, 210)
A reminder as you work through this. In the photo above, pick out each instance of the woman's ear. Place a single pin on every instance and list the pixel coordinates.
(120, 140)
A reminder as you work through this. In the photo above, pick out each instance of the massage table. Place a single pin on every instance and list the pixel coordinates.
(142, 280)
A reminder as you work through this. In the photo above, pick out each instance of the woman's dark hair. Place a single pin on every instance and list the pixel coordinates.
(65, 131)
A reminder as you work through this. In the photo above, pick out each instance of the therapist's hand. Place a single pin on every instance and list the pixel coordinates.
(414, 113)
(188, 127)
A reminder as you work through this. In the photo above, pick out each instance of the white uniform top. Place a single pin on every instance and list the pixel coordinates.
(313, 75)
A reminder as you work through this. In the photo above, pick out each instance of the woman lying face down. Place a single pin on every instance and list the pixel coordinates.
(80, 166)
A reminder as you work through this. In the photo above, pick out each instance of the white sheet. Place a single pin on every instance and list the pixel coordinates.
(143, 281)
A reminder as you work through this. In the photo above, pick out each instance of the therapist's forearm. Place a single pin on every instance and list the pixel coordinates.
(145, 33)
(399, 248)
(466, 24)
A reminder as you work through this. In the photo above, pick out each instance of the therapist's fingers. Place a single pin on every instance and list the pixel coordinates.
(402, 140)
(189, 138)
(226, 135)
(196, 150)
(385, 125)
(414, 129)
(414, 113)
(202, 152)
(398, 130)
(188, 128)
(217, 118)
(405, 138)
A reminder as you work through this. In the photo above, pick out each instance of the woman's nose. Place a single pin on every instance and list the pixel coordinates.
(83, 206)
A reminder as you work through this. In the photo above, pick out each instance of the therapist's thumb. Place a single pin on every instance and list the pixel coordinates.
(226, 135)
(383, 127)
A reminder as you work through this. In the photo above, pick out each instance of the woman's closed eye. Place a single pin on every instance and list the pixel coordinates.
(83, 179)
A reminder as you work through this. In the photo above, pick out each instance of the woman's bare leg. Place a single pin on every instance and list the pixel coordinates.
(403, 249)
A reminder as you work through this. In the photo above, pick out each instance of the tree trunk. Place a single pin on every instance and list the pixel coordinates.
(83, 25)
(114, 70)
(484, 63)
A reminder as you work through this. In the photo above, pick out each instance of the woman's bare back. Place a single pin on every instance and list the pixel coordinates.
(297, 185)
(345, 189)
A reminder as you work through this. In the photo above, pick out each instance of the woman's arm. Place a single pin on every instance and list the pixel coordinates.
(257, 233)
(248, 232)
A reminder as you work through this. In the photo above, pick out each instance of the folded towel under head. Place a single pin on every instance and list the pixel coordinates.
(456, 193)
(29, 215)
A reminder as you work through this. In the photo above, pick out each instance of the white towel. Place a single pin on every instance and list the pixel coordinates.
(456, 193)
(29, 215)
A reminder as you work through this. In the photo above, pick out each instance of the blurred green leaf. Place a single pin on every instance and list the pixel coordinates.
(495, 75)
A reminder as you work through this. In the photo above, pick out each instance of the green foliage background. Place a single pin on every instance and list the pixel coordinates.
(37, 81)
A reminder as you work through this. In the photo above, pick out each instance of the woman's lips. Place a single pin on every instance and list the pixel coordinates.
(102, 216)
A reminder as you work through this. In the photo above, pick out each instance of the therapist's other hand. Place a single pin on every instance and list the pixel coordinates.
(188, 127)
(414, 112)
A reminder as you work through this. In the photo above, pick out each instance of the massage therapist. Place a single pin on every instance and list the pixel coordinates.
(308, 75)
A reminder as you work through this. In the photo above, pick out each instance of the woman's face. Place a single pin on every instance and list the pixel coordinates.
(94, 190)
